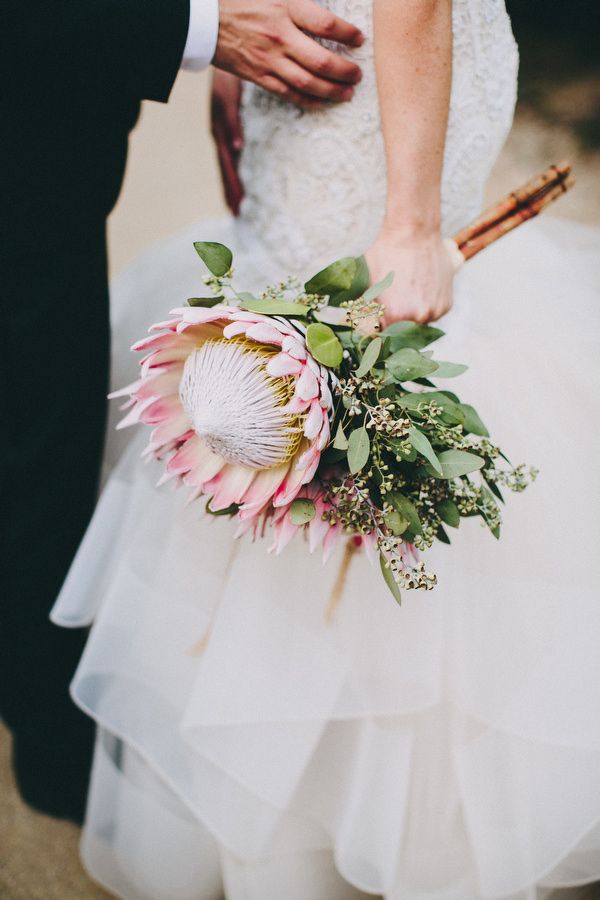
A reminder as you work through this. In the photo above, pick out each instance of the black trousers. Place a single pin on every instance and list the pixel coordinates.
(54, 376)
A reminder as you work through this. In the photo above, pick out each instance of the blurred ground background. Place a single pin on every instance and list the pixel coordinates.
(172, 180)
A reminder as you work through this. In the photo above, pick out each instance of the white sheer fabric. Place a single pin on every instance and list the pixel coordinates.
(445, 750)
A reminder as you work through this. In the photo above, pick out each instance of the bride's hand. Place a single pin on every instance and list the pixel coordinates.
(228, 134)
(423, 269)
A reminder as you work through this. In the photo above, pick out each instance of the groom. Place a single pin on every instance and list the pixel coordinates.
(76, 71)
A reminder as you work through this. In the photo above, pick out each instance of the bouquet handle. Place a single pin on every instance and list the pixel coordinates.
(519, 206)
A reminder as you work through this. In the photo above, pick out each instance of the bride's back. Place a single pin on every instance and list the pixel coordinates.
(315, 182)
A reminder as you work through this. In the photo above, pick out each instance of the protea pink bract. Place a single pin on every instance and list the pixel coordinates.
(239, 406)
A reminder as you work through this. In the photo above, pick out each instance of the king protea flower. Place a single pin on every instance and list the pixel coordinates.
(239, 407)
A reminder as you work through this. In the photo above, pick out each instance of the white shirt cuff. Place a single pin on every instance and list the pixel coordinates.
(202, 36)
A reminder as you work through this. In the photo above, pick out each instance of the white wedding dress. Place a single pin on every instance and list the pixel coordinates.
(447, 749)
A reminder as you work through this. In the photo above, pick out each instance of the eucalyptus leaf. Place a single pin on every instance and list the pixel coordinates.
(396, 523)
(339, 276)
(370, 357)
(359, 448)
(451, 414)
(323, 344)
(473, 423)
(207, 302)
(340, 441)
(302, 511)
(274, 307)
(455, 463)
(450, 369)
(398, 447)
(441, 535)
(376, 289)
(408, 364)
(448, 512)
(422, 445)
(216, 257)
(389, 579)
(359, 285)
(410, 334)
(407, 510)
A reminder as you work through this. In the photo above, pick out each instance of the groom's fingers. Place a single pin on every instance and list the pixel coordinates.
(323, 23)
(282, 89)
(311, 85)
(314, 58)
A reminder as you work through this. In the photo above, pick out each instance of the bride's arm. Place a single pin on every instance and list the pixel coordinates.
(413, 58)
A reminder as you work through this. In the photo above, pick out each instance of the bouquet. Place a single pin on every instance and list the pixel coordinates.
(281, 412)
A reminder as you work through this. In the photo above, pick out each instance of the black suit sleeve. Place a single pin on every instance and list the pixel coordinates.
(151, 36)
(137, 43)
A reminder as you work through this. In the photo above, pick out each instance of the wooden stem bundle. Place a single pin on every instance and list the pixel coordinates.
(520, 205)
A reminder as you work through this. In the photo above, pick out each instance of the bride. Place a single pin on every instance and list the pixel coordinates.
(448, 749)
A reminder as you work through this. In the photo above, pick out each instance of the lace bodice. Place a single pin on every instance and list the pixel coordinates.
(316, 182)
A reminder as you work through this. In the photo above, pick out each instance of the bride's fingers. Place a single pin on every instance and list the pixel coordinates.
(290, 72)
(312, 57)
(323, 23)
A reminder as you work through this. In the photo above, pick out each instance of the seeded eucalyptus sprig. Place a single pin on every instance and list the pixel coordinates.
(408, 459)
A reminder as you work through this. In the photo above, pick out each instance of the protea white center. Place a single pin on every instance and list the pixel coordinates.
(236, 407)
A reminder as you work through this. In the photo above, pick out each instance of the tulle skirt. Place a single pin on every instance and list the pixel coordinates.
(446, 749)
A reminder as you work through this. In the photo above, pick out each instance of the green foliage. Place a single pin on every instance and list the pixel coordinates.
(323, 344)
(456, 463)
(335, 278)
(407, 510)
(389, 579)
(370, 357)
(448, 512)
(407, 364)
(409, 334)
(207, 302)
(359, 447)
(422, 445)
(274, 307)
(302, 511)
(472, 422)
(216, 257)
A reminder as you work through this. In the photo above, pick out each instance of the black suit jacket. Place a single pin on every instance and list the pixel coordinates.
(76, 71)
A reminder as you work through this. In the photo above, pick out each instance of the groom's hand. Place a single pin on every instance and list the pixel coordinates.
(264, 41)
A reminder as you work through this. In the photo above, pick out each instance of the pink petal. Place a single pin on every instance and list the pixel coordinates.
(171, 429)
(293, 346)
(324, 436)
(314, 421)
(282, 364)
(192, 455)
(326, 398)
(157, 342)
(160, 385)
(263, 488)
(330, 542)
(264, 333)
(295, 406)
(307, 386)
(234, 328)
(160, 410)
(229, 486)
(284, 531)
(194, 315)
(206, 466)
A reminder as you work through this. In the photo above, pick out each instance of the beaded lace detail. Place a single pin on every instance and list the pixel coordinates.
(316, 181)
